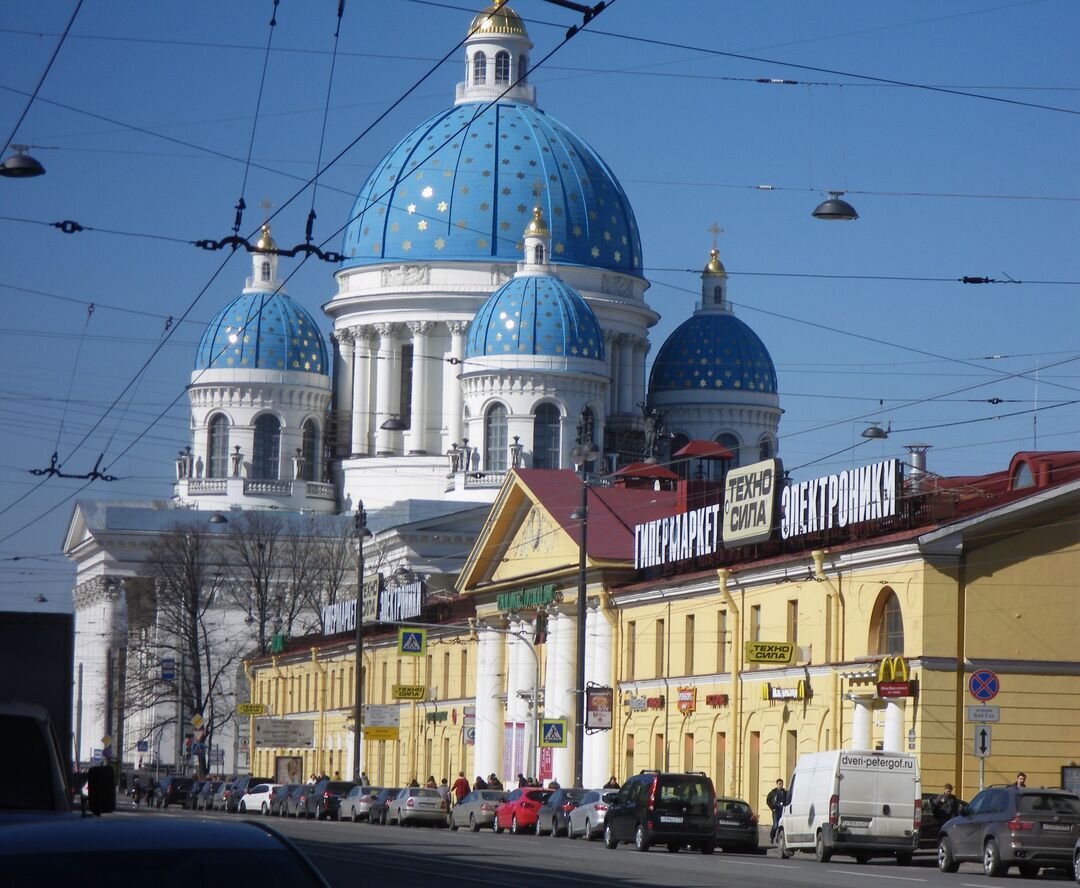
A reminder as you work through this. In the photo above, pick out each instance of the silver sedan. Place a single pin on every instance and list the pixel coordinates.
(417, 804)
(587, 819)
(477, 809)
(356, 806)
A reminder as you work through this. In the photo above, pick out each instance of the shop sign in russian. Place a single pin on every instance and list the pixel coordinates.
(637, 704)
(598, 704)
(524, 599)
(773, 692)
(772, 652)
(285, 733)
(854, 496)
(408, 692)
(677, 537)
(397, 603)
(749, 503)
(686, 702)
(341, 615)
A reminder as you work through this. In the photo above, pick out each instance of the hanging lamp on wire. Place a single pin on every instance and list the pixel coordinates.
(835, 209)
(21, 165)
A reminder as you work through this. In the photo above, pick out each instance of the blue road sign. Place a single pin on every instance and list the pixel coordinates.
(412, 642)
(553, 732)
(142, 746)
(168, 669)
(984, 684)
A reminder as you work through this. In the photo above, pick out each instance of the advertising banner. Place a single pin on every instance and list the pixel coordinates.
(598, 706)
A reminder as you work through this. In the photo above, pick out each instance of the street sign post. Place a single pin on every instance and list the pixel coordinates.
(981, 747)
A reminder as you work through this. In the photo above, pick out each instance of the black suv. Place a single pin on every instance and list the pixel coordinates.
(173, 791)
(1007, 826)
(240, 786)
(325, 797)
(665, 809)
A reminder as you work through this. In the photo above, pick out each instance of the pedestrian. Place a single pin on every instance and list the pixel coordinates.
(135, 790)
(494, 782)
(947, 805)
(612, 783)
(414, 782)
(553, 784)
(1021, 780)
(775, 800)
(364, 779)
(431, 784)
(123, 782)
(460, 787)
(337, 775)
(480, 783)
(444, 791)
(522, 782)
(312, 780)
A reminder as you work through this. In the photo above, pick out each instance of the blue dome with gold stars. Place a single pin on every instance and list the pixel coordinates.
(713, 351)
(536, 314)
(263, 330)
(461, 186)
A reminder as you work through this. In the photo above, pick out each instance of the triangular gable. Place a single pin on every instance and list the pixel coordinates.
(77, 531)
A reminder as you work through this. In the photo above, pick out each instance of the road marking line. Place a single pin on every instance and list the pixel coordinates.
(861, 875)
(754, 863)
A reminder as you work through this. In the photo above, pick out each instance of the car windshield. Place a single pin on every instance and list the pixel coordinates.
(694, 794)
(574, 795)
(426, 793)
(734, 806)
(492, 795)
(1049, 803)
(539, 795)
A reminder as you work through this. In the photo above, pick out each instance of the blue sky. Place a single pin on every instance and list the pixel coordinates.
(947, 186)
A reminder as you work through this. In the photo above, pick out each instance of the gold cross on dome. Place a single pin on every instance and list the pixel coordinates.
(267, 206)
(715, 230)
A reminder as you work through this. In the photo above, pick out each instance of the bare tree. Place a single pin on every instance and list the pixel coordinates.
(254, 547)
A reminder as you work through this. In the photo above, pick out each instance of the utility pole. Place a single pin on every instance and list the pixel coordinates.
(360, 529)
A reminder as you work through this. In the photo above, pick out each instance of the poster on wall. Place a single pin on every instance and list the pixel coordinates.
(598, 705)
(546, 763)
(288, 769)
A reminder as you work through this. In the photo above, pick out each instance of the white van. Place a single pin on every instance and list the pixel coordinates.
(848, 801)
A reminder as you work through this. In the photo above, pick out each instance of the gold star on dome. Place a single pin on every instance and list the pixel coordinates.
(442, 205)
(481, 244)
(485, 206)
(461, 223)
(422, 225)
(464, 189)
(559, 248)
(439, 243)
(595, 252)
(577, 231)
(618, 256)
(406, 245)
(607, 235)
(393, 226)
(504, 226)
(411, 208)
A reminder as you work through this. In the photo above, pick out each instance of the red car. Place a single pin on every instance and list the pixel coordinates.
(518, 811)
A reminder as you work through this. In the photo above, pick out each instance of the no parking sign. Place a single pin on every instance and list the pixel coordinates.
(984, 684)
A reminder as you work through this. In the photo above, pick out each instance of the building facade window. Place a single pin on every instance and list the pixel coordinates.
(660, 648)
(631, 648)
(887, 625)
(217, 448)
(765, 448)
(523, 68)
(495, 453)
(688, 653)
(722, 466)
(267, 451)
(547, 426)
(266, 271)
(721, 641)
(793, 621)
(309, 451)
(405, 405)
(479, 69)
(755, 623)
(502, 68)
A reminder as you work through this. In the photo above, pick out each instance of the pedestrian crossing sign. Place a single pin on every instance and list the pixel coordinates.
(553, 732)
(412, 642)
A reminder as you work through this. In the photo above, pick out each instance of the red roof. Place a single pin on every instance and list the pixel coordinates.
(646, 470)
(703, 450)
(613, 511)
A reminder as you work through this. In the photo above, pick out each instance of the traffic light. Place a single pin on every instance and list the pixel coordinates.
(540, 630)
(187, 745)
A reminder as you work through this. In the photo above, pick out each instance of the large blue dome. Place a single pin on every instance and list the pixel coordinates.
(536, 314)
(713, 351)
(470, 198)
(262, 330)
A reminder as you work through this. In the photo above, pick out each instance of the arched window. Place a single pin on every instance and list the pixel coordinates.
(722, 466)
(266, 271)
(546, 429)
(502, 68)
(523, 68)
(539, 254)
(680, 467)
(495, 453)
(310, 452)
(217, 448)
(718, 295)
(887, 625)
(765, 448)
(267, 456)
(479, 68)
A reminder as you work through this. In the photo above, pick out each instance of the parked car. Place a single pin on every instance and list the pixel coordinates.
(932, 820)
(241, 786)
(325, 796)
(666, 809)
(206, 793)
(417, 804)
(554, 817)
(378, 811)
(587, 819)
(296, 804)
(279, 798)
(357, 804)
(1076, 861)
(477, 809)
(519, 810)
(1007, 826)
(172, 791)
(257, 799)
(221, 796)
(193, 794)
(736, 826)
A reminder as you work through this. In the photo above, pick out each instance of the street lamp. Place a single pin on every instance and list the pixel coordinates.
(360, 529)
(583, 452)
(835, 209)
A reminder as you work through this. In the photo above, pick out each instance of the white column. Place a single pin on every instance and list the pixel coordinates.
(862, 723)
(641, 349)
(612, 362)
(360, 364)
(384, 391)
(418, 419)
(894, 726)
(453, 400)
(487, 755)
(343, 383)
(515, 653)
(597, 758)
(560, 697)
(626, 373)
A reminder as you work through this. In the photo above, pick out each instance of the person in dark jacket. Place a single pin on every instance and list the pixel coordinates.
(947, 805)
(480, 783)
(612, 783)
(494, 782)
(775, 800)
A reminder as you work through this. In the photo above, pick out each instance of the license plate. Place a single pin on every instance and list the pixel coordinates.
(727, 823)
(1057, 827)
(669, 819)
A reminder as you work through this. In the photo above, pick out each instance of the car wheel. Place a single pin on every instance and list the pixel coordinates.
(495, 826)
(903, 858)
(821, 850)
(1076, 866)
(673, 847)
(992, 865)
(451, 822)
(781, 846)
(554, 828)
(514, 828)
(473, 825)
(610, 841)
(707, 848)
(265, 810)
(862, 859)
(1029, 870)
(641, 841)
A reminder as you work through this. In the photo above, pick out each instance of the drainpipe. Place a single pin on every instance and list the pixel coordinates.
(320, 678)
(832, 649)
(279, 689)
(604, 607)
(736, 671)
(251, 718)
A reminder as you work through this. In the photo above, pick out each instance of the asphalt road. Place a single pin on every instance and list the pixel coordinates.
(401, 856)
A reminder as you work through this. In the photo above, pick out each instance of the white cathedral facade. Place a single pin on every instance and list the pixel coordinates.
(492, 295)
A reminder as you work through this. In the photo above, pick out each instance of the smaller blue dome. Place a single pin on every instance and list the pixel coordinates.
(713, 351)
(536, 314)
(263, 330)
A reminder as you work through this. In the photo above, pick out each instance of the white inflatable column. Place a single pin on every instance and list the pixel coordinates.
(597, 760)
(862, 722)
(894, 726)
(560, 697)
(489, 711)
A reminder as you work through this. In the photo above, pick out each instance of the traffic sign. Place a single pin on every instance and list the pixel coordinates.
(984, 713)
(142, 746)
(247, 709)
(377, 733)
(412, 642)
(553, 732)
(168, 669)
(982, 741)
(408, 692)
(469, 733)
(106, 741)
(197, 720)
(984, 684)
